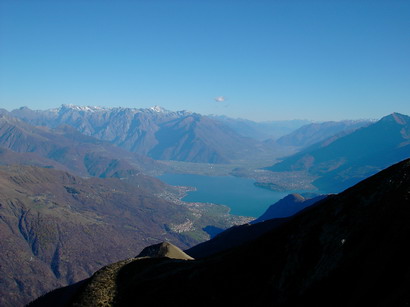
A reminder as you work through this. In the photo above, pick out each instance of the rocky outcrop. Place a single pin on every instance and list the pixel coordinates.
(164, 249)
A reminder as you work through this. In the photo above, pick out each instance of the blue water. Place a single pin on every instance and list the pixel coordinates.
(239, 194)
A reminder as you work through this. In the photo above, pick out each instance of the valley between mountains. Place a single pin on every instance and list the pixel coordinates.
(79, 191)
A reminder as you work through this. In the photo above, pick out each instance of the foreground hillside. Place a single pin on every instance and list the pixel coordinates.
(56, 228)
(347, 250)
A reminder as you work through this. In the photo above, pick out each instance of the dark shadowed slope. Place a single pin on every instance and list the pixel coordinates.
(288, 206)
(233, 237)
(348, 250)
(275, 215)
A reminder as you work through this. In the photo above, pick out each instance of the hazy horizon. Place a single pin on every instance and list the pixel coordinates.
(262, 60)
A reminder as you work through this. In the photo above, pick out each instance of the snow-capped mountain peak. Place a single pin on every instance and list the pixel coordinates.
(158, 109)
(83, 108)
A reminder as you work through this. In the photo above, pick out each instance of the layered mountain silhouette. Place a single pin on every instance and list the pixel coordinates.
(155, 132)
(349, 249)
(341, 161)
(57, 228)
(315, 132)
(261, 130)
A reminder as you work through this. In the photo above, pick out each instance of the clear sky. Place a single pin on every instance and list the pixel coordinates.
(261, 60)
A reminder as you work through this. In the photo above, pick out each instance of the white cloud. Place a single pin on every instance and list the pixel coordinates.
(220, 99)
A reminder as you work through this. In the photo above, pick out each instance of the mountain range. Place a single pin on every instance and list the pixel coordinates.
(343, 160)
(65, 148)
(349, 249)
(153, 132)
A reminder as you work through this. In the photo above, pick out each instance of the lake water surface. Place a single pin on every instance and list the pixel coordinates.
(239, 194)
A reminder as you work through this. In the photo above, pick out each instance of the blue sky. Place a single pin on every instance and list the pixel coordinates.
(270, 60)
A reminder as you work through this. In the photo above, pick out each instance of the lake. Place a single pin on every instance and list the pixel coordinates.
(239, 194)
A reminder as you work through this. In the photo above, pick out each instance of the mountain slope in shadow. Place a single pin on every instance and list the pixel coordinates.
(274, 216)
(288, 206)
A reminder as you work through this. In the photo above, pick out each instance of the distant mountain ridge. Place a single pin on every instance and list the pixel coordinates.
(185, 136)
(315, 132)
(341, 161)
(261, 130)
(155, 132)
